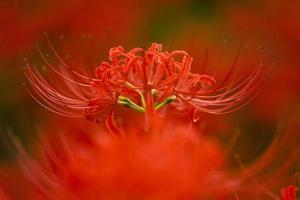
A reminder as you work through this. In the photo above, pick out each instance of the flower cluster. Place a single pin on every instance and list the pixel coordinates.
(144, 80)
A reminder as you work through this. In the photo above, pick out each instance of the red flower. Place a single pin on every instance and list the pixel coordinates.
(144, 80)
(289, 193)
(172, 163)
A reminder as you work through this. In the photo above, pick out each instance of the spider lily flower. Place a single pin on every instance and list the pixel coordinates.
(88, 164)
(144, 80)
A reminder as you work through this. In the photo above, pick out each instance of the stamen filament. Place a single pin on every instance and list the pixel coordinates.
(127, 102)
(165, 102)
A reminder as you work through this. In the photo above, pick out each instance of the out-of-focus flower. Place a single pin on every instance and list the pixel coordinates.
(171, 163)
(289, 193)
(145, 80)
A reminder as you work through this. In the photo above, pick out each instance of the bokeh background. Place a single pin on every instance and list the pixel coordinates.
(83, 31)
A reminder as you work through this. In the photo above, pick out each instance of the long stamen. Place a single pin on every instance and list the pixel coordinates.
(64, 63)
(127, 102)
(57, 72)
(165, 102)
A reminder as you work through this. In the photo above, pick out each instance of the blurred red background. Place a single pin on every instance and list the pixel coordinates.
(84, 31)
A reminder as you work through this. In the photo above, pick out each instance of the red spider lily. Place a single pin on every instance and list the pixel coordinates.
(175, 164)
(144, 80)
(289, 193)
(172, 163)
